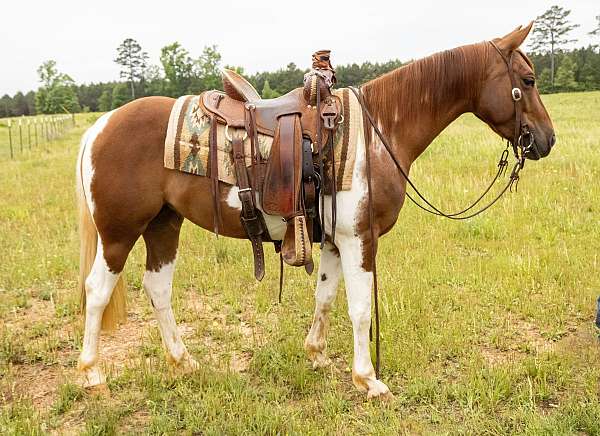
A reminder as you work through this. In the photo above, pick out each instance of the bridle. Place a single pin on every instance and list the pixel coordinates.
(523, 138)
(523, 142)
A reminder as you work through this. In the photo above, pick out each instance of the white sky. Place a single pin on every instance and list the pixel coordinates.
(82, 36)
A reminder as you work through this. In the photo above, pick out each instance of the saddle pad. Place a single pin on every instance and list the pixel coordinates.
(187, 141)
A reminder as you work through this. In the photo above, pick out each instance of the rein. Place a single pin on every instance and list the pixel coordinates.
(523, 141)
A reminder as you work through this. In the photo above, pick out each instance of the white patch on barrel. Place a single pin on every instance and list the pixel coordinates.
(275, 224)
(85, 168)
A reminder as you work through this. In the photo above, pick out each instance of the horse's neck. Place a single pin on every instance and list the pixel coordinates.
(413, 104)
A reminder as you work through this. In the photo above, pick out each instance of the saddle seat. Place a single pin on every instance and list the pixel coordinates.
(233, 112)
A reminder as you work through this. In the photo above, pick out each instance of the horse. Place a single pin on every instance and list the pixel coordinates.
(125, 192)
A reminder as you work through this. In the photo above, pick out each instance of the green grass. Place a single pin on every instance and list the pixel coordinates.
(487, 324)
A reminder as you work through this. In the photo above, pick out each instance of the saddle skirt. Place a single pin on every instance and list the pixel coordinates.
(188, 136)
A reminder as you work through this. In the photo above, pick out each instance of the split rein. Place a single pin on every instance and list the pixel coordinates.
(429, 207)
(522, 142)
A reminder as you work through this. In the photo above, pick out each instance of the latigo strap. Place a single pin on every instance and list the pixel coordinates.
(250, 217)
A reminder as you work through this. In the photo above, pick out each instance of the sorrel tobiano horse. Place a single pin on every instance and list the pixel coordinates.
(125, 192)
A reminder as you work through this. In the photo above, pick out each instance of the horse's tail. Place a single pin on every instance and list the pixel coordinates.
(88, 236)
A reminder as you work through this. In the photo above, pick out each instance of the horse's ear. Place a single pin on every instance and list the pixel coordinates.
(514, 39)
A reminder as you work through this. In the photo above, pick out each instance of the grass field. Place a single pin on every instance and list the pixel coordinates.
(487, 324)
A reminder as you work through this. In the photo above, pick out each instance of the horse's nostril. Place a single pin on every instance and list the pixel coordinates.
(552, 140)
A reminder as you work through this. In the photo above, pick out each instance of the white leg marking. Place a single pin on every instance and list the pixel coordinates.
(158, 286)
(327, 283)
(99, 286)
(358, 292)
(85, 169)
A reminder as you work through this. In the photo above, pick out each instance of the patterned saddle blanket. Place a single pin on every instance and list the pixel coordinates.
(187, 141)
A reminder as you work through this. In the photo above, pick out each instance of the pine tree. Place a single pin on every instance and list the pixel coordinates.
(550, 34)
(133, 62)
(267, 92)
(596, 31)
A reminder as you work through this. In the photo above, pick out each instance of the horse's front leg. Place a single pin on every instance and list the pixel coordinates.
(359, 283)
(327, 283)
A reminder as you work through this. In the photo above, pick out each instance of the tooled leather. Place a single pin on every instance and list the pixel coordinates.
(282, 180)
(267, 113)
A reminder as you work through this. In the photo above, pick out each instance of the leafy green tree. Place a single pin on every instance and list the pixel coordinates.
(57, 92)
(133, 62)
(30, 98)
(550, 34)
(207, 71)
(120, 95)
(61, 99)
(543, 80)
(19, 104)
(267, 92)
(178, 67)
(154, 82)
(565, 75)
(5, 104)
(105, 101)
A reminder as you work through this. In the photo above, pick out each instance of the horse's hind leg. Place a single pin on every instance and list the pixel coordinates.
(99, 287)
(162, 238)
(327, 282)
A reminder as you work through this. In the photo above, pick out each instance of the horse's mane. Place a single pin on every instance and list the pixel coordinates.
(426, 84)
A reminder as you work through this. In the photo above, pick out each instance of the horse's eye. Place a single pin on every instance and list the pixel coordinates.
(529, 81)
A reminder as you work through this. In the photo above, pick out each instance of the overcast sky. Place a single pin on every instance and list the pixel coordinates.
(82, 36)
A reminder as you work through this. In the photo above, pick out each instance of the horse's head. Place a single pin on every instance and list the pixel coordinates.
(509, 101)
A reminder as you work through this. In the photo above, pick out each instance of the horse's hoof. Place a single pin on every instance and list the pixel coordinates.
(186, 365)
(190, 365)
(378, 390)
(92, 377)
(320, 360)
(100, 390)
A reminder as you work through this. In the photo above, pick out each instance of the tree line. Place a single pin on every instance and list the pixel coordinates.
(558, 70)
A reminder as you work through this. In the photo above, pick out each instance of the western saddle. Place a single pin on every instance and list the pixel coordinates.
(291, 182)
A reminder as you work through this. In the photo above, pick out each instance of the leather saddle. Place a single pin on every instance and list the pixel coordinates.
(288, 183)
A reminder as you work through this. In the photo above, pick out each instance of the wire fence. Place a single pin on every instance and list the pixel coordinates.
(30, 132)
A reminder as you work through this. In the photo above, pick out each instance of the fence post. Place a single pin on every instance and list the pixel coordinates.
(35, 123)
(29, 132)
(12, 155)
(20, 136)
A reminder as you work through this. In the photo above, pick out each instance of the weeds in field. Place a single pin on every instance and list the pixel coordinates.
(487, 325)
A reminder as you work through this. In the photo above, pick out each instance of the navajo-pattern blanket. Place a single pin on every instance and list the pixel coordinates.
(187, 141)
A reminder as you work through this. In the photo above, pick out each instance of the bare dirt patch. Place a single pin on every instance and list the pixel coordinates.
(521, 338)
